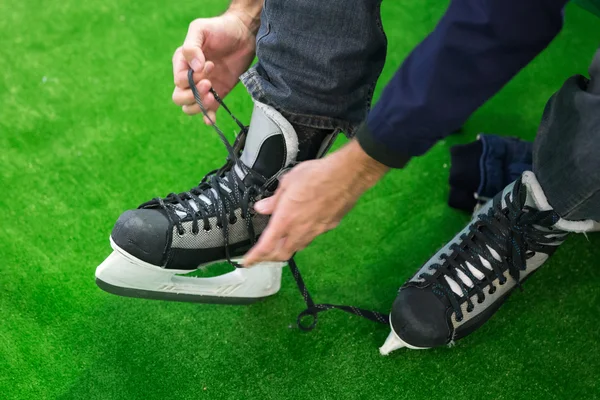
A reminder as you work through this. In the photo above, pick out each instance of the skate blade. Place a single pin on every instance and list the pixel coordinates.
(124, 275)
(393, 342)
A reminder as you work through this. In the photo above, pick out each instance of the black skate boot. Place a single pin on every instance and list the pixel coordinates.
(466, 282)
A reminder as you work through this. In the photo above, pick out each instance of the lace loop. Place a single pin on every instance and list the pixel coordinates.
(313, 313)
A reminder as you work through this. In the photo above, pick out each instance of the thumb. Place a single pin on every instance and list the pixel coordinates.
(192, 47)
(268, 205)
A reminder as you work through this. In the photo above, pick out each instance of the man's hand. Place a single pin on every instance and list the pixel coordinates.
(312, 199)
(219, 50)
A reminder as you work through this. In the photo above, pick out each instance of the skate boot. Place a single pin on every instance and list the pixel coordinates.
(466, 282)
(156, 246)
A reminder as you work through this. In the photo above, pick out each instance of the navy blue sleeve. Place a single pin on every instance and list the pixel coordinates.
(476, 48)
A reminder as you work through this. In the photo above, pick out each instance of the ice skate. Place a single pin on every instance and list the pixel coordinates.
(164, 239)
(465, 283)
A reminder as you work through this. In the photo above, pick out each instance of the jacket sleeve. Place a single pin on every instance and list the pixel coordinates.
(476, 48)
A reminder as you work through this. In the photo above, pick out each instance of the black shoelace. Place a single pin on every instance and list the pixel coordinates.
(514, 232)
(307, 319)
(224, 203)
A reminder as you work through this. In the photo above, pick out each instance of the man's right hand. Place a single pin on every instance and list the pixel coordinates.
(219, 50)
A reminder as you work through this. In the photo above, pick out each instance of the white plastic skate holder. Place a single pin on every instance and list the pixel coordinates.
(121, 270)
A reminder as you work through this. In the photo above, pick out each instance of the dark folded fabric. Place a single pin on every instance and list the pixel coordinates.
(483, 168)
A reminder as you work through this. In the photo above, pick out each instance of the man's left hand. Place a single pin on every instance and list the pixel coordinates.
(312, 199)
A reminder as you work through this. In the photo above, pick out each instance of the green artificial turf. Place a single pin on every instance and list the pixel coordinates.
(87, 130)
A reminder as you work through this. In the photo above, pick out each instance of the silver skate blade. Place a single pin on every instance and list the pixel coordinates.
(393, 342)
(124, 275)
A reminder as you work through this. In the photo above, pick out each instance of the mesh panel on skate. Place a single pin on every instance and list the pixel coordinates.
(214, 238)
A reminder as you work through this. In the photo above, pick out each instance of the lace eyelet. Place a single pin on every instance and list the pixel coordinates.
(479, 301)
(219, 226)
(207, 229)
(459, 319)
(501, 283)
(492, 290)
(233, 221)
(195, 233)
(469, 309)
(181, 233)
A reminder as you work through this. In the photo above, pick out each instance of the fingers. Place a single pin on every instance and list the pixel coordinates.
(180, 65)
(272, 233)
(192, 47)
(213, 118)
(185, 99)
(296, 241)
(270, 242)
(285, 234)
(195, 109)
(181, 76)
(295, 221)
(278, 243)
(266, 206)
(191, 55)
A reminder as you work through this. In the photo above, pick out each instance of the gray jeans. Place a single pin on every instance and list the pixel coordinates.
(566, 152)
(319, 60)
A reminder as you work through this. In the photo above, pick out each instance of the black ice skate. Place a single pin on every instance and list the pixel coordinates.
(156, 244)
(465, 283)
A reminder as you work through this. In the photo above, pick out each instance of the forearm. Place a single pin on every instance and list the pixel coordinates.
(473, 52)
(355, 162)
(248, 11)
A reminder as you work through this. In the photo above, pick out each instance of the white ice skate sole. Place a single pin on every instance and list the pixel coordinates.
(124, 275)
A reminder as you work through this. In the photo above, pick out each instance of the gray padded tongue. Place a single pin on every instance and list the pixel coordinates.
(271, 144)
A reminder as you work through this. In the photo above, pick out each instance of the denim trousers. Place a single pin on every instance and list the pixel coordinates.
(319, 62)
(566, 151)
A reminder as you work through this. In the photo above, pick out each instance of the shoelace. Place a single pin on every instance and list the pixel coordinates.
(500, 240)
(223, 201)
(312, 310)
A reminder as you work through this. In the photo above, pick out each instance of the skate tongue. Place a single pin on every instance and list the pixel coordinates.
(271, 144)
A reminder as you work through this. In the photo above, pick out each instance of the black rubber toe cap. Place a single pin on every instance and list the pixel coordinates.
(144, 234)
(420, 318)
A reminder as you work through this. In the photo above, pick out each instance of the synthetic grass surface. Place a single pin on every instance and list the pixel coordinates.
(87, 130)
